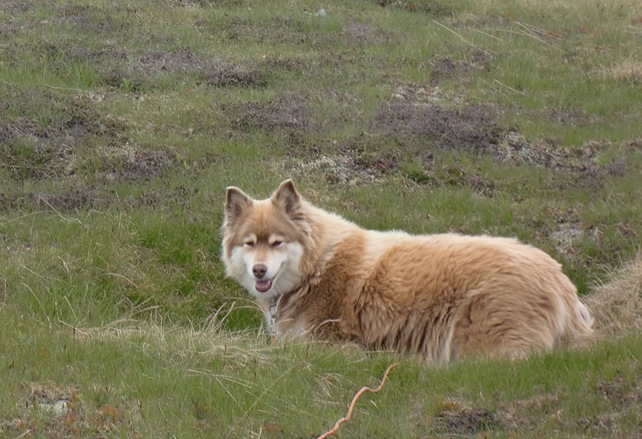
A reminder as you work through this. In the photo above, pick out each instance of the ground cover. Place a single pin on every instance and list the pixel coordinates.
(122, 123)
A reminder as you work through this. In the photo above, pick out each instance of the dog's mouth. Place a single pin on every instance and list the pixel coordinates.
(263, 285)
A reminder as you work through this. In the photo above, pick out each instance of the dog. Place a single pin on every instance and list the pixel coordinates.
(442, 296)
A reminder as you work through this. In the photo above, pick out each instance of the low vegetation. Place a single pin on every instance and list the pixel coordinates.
(121, 124)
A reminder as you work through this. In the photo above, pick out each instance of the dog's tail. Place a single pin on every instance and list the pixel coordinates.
(579, 324)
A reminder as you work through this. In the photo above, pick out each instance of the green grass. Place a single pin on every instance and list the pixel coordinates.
(122, 124)
(201, 383)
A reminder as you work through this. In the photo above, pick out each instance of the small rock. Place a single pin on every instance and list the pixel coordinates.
(58, 408)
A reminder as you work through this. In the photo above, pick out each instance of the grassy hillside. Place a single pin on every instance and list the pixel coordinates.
(121, 124)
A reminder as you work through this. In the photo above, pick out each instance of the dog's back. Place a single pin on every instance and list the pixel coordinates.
(442, 296)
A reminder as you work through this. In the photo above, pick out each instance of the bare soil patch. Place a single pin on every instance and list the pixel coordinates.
(77, 198)
(41, 129)
(205, 3)
(580, 165)
(95, 20)
(281, 30)
(142, 71)
(471, 127)
(412, 123)
(360, 33)
(69, 201)
(211, 71)
(50, 135)
(47, 114)
(570, 116)
(623, 397)
(288, 30)
(134, 163)
(432, 8)
(125, 65)
(460, 419)
(288, 113)
(349, 167)
(445, 67)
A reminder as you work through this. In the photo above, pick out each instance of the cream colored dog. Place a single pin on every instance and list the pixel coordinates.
(442, 296)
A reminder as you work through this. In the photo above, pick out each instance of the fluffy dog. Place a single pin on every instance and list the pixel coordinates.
(442, 296)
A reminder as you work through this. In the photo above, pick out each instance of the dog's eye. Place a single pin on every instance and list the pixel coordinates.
(248, 243)
(277, 243)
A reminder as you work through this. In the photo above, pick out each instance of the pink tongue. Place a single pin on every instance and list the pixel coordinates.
(263, 285)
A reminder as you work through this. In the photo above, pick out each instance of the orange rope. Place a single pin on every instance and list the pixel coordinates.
(354, 401)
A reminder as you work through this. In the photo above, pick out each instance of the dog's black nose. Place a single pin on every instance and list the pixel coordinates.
(259, 270)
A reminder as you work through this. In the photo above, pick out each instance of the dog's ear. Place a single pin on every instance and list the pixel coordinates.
(287, 197)
(236, 201)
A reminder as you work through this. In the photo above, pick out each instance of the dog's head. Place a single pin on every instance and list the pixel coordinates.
(263, 240)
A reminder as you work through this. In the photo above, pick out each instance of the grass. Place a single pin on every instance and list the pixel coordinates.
(197, 383)
(122, 124)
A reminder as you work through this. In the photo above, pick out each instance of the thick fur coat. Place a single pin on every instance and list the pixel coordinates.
(442, 296)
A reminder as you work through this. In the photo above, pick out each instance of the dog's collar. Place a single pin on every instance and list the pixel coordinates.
(273, 305)
(272, 314)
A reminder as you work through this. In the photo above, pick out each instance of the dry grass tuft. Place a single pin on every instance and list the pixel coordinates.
(617, 305)
(579, 5)
(628, 71)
